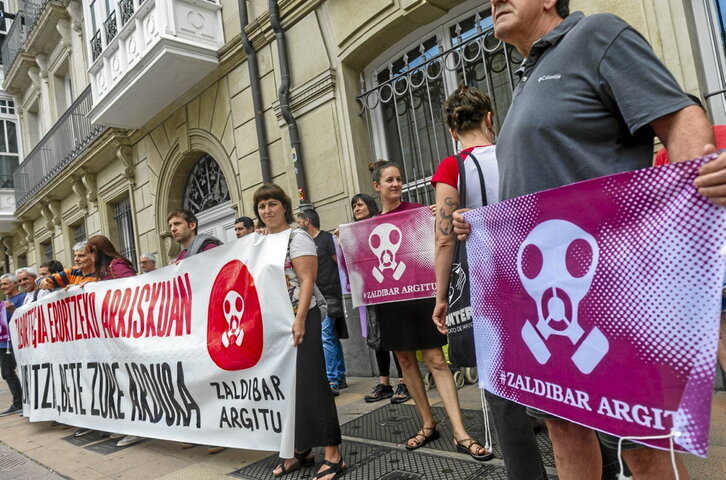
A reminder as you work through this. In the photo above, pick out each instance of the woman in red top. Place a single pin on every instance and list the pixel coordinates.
(406, 327)
(470, 117)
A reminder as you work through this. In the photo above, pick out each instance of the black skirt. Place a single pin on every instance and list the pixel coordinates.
(407, 326)
(316, 418)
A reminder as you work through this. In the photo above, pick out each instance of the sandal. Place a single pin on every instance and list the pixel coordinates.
(301, 459)
(295, 465)
(422, 434)
(334, 468)
(465, 446)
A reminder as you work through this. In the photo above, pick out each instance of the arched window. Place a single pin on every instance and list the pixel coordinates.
(206, 186)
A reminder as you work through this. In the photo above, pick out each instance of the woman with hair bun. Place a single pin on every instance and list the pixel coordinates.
(406, 327)
(470, 117)
(364, 206)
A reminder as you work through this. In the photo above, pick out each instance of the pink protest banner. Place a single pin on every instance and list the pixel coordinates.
(345, 285)
(4, 331)
(390, 257)
(599, 302)
(342, 267)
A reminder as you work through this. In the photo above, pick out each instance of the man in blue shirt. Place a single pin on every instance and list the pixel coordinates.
(9, 286)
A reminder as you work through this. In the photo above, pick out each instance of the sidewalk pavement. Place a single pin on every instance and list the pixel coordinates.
(38, 451)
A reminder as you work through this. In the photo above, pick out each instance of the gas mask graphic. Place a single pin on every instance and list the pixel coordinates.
(234, 307)
(384, 241)
(556, 264)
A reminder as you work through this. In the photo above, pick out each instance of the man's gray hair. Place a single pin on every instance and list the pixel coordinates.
(10, 276)
(28, 270)
(150, 256)
(80, 246)
(563, 8)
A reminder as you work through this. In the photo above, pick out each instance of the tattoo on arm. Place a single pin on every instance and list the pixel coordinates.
(446, 225)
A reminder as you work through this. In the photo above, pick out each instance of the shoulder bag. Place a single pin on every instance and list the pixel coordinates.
(462, 352)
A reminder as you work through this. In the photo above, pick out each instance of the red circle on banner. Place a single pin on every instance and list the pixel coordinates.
(234, 323)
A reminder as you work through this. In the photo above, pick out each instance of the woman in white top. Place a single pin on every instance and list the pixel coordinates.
(316, 418)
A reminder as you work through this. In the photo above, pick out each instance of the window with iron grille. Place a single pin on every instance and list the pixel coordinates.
(403, 106)
(206, 186)
(125, 230)
(79, 232)
(47, 249)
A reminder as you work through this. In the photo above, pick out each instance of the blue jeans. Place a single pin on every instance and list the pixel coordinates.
(333, 350)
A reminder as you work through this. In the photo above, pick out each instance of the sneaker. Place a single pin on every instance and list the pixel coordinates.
(379, 392)
(82, 431)
(334, 388)
(342, 384)
(11, 410)
(401, 394)
(129, 440)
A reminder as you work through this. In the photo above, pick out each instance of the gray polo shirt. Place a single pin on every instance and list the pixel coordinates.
(588, 91)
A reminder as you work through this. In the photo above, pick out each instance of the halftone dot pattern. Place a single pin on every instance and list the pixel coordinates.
(658, 268)
(655, 290)
(489, 321)
(416, 251)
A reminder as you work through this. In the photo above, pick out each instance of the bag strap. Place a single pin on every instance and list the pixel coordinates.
(460, 248)
(462, 180)
(482, 185)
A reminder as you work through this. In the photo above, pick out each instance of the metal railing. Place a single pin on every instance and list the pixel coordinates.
(126, 7)
(68, 138)
(33, 9)
(404, 108)
(111, 27)
(96, 46)
(23, 24)
(13, 43)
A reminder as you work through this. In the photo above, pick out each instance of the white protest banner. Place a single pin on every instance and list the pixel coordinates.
(197, 352)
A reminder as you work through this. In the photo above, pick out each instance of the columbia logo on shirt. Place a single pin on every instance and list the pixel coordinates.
(544, 78)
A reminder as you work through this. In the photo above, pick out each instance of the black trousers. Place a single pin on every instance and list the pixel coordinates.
(7, 367)
(522, 458)
(383, 358)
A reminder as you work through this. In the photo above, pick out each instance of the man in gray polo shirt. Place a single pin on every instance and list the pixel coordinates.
(591, 97)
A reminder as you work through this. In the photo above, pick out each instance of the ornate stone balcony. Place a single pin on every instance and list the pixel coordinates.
(60, 147)
(147, 53)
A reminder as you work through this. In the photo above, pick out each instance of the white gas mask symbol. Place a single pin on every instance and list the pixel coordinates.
(233, 307)
(384, 241)
(556, 264)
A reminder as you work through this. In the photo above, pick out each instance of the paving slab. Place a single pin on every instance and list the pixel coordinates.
(45, 448)
(16, 466)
